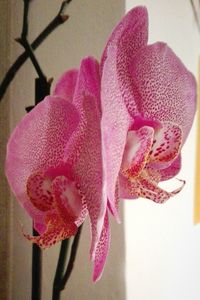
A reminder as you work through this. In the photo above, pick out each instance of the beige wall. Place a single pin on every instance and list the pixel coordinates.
(84, 34)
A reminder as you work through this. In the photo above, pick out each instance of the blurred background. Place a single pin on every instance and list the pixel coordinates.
(155, 252)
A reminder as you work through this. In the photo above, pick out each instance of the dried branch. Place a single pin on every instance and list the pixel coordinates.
(59, 19)
(25, 19)
(63, 6)
(195, 15)
(24, 42)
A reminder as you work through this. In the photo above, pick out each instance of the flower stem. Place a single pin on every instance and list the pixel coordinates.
(36, 270)
(71, 259)
(41, 88)
(62, 277)
(60, 268)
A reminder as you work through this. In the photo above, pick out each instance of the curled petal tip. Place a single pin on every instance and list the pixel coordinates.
(101, 250)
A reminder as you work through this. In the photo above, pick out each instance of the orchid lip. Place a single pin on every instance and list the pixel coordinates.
(60, 200)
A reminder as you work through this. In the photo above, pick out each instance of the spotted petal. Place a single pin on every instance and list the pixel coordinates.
(128, 37)
(162, 87)
(102, 250)
(84, 152)
(66, 85)
(37, 143)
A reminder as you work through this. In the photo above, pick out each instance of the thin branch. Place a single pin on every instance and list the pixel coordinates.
(63, 5)
(24, 42)
(59, 19)
(195, 15)
(71, 259)
(25, 19)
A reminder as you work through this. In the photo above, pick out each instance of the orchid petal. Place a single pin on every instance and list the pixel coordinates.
(40, 227)
(132, 38)
(56, 230)
(128, 37)
(163, 88)
(114, 125)
(84, 152)
(88, 170)
(66, 84)
(102, 250)
(37, 143)
(88, 82)
(83, 214)
(37, 215)
(136, 151)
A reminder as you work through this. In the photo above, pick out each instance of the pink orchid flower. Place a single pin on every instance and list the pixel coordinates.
(108, 132)
(54, 163)
(148, 106)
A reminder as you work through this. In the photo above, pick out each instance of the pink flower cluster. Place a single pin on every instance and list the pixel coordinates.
(109, 131)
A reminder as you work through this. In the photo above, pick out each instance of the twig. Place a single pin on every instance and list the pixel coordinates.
(63, 5)
(195, 15)
(24, 42)
(59, 19)
(25, 19)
